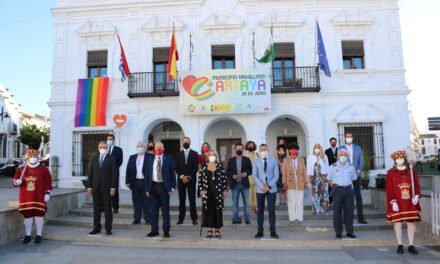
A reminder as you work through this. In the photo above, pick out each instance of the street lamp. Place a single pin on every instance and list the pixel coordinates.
(4, 114)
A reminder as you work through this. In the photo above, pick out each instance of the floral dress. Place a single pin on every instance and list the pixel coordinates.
(320, 196)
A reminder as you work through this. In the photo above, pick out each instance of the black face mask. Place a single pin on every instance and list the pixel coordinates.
(185, 145)
(239, 152)
(282, 145)
(150, 148)
(251, 149)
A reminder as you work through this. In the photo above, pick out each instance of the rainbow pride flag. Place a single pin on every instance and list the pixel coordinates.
(91, 102)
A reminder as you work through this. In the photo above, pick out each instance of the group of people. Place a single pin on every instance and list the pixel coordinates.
(257, 177)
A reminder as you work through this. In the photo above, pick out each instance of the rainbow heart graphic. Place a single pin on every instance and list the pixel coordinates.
(195, 87)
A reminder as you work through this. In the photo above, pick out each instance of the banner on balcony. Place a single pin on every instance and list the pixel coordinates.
(91, 102)
(231, 91)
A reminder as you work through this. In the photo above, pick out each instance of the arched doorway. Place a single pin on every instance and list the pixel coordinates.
(222, 134)
(290, 130)
(168, 132)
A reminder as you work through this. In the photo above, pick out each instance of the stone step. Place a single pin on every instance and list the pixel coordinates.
(280, 214)
(282, 225)
(230, 239)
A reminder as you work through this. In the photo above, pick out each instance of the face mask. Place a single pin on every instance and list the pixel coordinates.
(186, 145)
(205, 149)
(158, 152)
(264, 154)
(343, 159)
(333, 144)
(103, 151)
(150, 148)
(349, 140)
(212, 159)
(33, 160)
(400, 161)
(317, 150)
(251, 149)
(239, 152)
(140, 150)
(293, 152)
(282, 145)
(109, 142)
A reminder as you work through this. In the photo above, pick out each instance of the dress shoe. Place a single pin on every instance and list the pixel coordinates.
(400, 249)
(412, 250)
(153, 234)
(166, 235)
(247, 222)
(27, 239)
(108, 232)
(116, 211)
(259, 235)
(95, 232)
(147, 222)
(362, 221)
(38, 239)
(351, 236)
(136, 222)
(179, 222)
(338, 236)
(274, 235)
(236, 222)
(195, 222)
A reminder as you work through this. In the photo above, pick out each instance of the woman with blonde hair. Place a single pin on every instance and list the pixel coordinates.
(317, 167)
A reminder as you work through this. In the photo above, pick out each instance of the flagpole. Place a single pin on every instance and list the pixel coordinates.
(190, 51)
(316, 40)
(253, 47)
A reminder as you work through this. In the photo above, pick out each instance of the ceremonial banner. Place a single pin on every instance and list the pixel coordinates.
(91, 102)
(238, 91)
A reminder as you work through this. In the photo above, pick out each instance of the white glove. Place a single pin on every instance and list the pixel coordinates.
(415, 200)
(18, 182)
(46, 198)
(395, 207)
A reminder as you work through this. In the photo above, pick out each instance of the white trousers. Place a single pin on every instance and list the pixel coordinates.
(295, 205)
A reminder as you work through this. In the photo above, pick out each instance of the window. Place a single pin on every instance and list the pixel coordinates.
(84, 146)
(223, 57)
(423, 151)
(435, 141)
(161, 78)
(423, 142)
(353, 54)
(284, 65)
(369, 136)
(97, 63)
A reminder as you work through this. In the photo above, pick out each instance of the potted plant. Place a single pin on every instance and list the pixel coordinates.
(365, 179)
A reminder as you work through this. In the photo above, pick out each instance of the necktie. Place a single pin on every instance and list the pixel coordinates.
(159, 170)
(265, 165)
(186, 156)
(101, 160)
(110, 150)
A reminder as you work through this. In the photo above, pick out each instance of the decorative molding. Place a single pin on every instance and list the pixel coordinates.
(96, 28)
(215, 22)
(358, 17)
(283, 19)
(162, 24)
(360, 113)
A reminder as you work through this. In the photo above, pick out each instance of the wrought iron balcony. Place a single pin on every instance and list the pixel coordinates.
(284, 80)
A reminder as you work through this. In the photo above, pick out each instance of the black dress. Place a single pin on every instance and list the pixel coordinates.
(214, 188)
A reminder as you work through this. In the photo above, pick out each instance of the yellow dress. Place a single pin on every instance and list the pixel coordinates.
(252, 189)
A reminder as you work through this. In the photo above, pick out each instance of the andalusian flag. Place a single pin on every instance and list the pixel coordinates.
(173, 58)
(269, 53)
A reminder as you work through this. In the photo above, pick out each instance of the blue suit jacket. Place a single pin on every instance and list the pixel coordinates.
(131, 171)
(168, 172)
(269, 178)
(358, 157)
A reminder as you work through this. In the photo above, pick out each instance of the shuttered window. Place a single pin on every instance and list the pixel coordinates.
(223, 56)
(353, 54)
(97, 63)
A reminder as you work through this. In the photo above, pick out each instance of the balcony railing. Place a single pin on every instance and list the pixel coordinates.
(284, 80)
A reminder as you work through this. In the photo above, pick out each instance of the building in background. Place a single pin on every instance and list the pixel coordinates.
(429, 144)
(414, 134)
(366, 95)
(10, 124)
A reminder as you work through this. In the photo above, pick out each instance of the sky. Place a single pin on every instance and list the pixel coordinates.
(26, 54)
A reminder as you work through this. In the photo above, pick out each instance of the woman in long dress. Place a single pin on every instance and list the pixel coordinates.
(213, 189)
(250, 147)
(317, 167)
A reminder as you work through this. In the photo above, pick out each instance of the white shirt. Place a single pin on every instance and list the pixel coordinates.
(139, 166)
(350, 152)
(311, 160)
(295, 167)
(155, 166)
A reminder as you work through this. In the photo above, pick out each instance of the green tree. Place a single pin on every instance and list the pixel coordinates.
(31, 135)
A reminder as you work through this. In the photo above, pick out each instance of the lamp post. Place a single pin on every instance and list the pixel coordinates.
(4, 114)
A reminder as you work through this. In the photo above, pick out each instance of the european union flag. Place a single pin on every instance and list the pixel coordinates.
(323, 62)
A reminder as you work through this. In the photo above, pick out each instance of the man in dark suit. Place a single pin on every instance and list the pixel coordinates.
(332, 157)
(101, 185)
(160, 183)
(115, 152)
(187, 165)
(135, 180)
(238, 170)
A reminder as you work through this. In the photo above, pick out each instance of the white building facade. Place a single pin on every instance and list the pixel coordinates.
(10, 125)
(430, 144)
(366, 95)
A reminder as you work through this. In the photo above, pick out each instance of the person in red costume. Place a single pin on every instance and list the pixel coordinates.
(402, 204)
(35, 184)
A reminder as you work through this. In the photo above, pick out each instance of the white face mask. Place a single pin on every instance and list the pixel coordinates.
(103, 151)
(33, 160)
(349, 140)
(212, 159)
(317, 150)
(400, 161)
(264, 154)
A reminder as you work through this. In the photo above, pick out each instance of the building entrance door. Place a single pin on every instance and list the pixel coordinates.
(226, 149)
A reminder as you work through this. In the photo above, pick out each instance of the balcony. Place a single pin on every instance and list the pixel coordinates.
(284, 80)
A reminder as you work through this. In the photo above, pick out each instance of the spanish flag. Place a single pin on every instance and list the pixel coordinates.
(173, 58)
